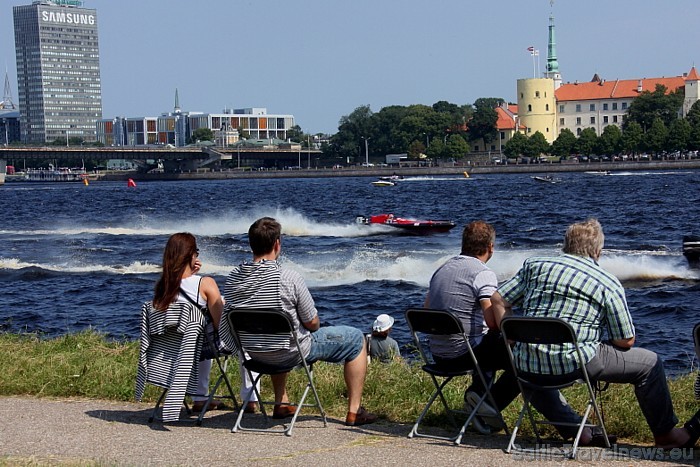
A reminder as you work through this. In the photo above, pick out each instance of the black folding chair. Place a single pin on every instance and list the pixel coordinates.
(696, 339)
(423, 322)
(548, 331)
(212, 351)
(253, 330)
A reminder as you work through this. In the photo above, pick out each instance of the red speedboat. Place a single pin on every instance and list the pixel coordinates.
(414, 226)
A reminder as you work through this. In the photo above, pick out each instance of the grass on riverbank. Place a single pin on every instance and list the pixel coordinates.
(87, 365)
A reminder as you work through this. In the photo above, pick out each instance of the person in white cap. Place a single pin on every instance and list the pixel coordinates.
(381, 346)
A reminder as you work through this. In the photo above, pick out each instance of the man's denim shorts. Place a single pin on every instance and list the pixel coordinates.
(336, 344)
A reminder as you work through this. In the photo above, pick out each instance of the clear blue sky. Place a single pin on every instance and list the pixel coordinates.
(320, 59)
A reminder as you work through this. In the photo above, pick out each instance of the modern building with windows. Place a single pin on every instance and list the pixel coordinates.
(58, 70)
(176, 127)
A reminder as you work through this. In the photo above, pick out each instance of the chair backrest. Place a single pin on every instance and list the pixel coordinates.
(428, 321)
(262, 330)
(537, 330)
(438, 322)
(260, 321)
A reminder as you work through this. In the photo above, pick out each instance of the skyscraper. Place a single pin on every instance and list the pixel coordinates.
(58, 70)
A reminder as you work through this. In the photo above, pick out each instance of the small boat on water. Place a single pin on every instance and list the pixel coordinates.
(545, 178)
(413, 226)
(383, 183)
(691, 250)
(597, 172)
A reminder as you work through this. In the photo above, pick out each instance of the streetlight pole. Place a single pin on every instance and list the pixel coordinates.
(4, 123)
(308, 153)
(366, 151)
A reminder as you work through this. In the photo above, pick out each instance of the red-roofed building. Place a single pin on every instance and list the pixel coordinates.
(599, 102)
(594, 104)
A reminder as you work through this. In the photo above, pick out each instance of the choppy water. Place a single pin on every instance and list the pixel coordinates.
(77, 256)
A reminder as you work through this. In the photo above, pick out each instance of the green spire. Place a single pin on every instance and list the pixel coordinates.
(552, 64)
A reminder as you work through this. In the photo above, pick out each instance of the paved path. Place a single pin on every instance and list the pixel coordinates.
(86, 432)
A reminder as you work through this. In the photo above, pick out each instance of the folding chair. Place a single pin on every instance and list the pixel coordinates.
(170, 347)
(212, 351)
(696, 340)
(548, 331)
(422, 322)
(260, 330)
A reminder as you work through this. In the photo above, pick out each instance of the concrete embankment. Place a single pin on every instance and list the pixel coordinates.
(97, 432)
(410, 171)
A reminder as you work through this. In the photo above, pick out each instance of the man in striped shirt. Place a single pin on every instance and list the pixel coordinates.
(263, 284)
(572, 286)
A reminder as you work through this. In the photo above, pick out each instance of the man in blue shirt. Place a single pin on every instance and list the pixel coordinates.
(575, 288)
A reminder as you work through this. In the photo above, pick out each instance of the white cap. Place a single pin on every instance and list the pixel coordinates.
(382, 323)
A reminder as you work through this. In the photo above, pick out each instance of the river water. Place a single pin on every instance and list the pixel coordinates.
(76, 257)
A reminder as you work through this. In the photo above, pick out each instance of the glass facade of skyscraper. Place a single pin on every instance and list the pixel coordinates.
(58, 70)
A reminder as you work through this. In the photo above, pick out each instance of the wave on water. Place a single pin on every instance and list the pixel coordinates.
(628, 174)
(424, 179)
(137, 267)
(230, 223)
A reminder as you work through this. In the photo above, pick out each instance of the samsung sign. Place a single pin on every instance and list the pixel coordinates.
(67, 18)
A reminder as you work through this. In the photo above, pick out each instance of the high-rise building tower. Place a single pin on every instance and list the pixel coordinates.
(58, 70)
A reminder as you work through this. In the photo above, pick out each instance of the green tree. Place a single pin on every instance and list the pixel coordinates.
(348, 141)
(436, 150)
(483, 123)
(632, 137)
(610, 142)
(693, 116)
(678, 135)
(657, 104)
(565, 144)
(415, 149)
(202, 134)
(538, 145)
(295, 134)
(516, 146)
(587, 141)
(456, 147)
(694, 139)
(655, 138)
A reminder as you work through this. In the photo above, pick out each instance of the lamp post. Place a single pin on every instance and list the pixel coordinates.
(308, 153)
(366, 151)
(4, 123)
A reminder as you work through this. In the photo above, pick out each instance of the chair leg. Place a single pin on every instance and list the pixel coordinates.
(516, 427)
(155, 409)
(437, 393)
(223, 377)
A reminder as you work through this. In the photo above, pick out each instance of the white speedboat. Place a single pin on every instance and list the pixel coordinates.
(691, 250)
(383, 183)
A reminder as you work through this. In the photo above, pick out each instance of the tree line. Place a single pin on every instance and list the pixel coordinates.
(445, 130)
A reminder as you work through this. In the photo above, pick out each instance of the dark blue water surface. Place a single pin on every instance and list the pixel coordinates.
(76, 256)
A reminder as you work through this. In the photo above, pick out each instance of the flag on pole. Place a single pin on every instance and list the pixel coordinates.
(531, 49)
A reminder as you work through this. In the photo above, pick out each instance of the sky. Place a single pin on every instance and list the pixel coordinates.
(319, 60)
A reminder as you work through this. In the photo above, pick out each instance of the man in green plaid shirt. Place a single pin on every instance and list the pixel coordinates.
(572, 286)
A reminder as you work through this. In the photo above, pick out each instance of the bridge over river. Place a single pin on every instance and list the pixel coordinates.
(173, 160)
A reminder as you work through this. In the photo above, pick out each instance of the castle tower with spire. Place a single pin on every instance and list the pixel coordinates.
(552, 63)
